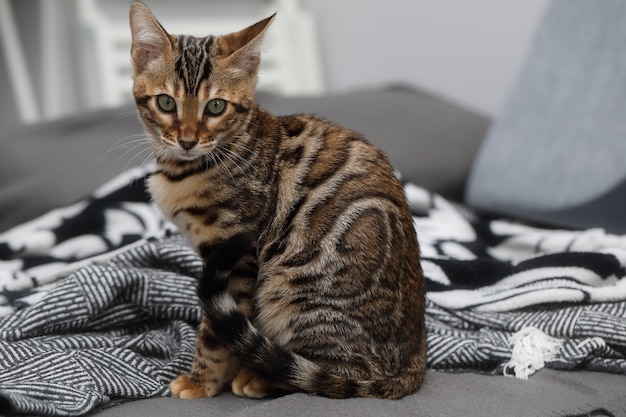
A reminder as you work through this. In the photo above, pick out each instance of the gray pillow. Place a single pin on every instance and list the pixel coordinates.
(54, 164)
(556, 153)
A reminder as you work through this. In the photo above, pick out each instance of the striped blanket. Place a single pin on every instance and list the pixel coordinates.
(98, 305)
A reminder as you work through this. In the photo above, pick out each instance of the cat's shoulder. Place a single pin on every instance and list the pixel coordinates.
(300, 124)
(295, 124)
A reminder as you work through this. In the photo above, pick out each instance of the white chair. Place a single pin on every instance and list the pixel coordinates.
(19, 78)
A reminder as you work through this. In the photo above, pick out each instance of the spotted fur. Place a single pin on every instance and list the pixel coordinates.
(312, 280)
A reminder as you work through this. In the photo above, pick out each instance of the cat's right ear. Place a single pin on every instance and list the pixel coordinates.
(150, 40)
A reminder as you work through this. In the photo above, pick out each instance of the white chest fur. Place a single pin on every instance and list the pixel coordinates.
(182, 202)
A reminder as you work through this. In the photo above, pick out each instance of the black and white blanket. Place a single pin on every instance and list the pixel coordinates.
(98, 305)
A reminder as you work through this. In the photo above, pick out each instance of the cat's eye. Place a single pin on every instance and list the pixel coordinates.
(216, 106)
(166, 103)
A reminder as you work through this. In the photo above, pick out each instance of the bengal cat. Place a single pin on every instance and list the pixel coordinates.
(312, 280)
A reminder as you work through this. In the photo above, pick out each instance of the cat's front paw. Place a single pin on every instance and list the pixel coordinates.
(249, 384)
(185, 388)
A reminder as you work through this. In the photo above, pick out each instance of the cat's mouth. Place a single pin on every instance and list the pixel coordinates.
(186, 151)
(188, 155)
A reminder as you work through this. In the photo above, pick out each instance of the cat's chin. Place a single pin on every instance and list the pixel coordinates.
(177, 159)
(187, 157)
(180, 155)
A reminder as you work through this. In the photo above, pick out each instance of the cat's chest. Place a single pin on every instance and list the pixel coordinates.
(203, 209)
(174, 196)
(177, 199)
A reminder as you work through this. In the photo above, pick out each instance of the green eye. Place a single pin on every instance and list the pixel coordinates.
(216, 106)
(166, 103)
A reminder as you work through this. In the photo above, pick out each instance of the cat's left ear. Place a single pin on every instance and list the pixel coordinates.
(243, 48)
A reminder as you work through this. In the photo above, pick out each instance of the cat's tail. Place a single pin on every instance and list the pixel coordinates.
(285, 368)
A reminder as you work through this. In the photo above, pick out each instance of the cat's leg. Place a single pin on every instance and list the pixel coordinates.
(229, 267)
(215, 366)
(213, 369)
(241, 286)
(249, 384)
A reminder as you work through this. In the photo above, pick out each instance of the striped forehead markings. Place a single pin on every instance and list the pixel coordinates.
(194, 64)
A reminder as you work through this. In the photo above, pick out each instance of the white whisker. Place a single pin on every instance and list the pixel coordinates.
(145, 159)
(220, 155)
(134, 147)
(129, 113)
(124, 142)
(228, 156)
(246, 160)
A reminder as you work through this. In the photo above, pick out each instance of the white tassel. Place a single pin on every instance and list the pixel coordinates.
(532, 348)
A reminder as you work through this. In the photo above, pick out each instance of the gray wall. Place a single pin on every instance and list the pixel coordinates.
(467, 51)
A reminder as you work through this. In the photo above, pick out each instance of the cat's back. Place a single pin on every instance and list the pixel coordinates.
(324, 150)
(341, 238)
(337, 191)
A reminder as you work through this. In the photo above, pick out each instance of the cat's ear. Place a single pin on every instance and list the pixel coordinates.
(150, 40)
(243, 48)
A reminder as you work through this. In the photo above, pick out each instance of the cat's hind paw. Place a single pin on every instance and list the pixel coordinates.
(249, 384)
(185, 388)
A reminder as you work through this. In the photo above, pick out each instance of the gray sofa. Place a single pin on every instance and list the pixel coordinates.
(442, 147)
(433, 144)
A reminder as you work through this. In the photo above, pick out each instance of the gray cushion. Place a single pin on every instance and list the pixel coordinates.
(546, 393)
(54, 164)
(556, 153)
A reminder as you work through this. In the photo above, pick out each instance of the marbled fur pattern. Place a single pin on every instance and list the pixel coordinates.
(312, 279)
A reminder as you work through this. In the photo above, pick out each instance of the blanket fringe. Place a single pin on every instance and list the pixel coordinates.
(532, 348)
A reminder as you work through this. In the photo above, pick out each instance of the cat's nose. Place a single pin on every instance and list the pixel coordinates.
(187, 144)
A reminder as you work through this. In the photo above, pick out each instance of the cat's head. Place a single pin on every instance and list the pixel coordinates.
(193, 93)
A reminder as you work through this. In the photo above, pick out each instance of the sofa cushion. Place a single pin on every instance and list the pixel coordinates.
(556, 153)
